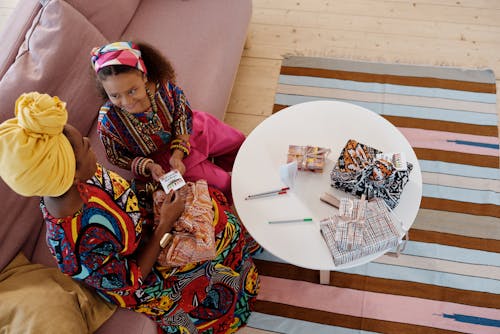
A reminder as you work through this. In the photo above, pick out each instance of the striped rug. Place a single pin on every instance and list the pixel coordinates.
(448, 278)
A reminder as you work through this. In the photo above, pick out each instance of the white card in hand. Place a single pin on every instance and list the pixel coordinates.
(172, 181)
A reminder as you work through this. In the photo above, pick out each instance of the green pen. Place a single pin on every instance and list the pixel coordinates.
(291, 221)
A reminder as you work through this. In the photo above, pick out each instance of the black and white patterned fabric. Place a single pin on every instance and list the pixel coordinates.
(358, 172)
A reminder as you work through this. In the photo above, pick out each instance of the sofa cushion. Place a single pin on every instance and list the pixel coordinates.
(13, 33)
(102, 12)
(203, 40)
(56, 63)
(19, 226)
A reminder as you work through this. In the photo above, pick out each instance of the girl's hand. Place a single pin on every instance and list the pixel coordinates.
(155, 170)
(176, 161)
(170, 211)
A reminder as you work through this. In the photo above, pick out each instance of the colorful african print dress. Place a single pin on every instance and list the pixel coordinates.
(97, 246)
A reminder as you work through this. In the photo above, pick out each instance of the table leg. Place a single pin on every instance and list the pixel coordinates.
(324, 277)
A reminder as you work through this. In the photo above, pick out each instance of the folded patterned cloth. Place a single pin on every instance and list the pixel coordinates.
(359, 171)
(194, 235)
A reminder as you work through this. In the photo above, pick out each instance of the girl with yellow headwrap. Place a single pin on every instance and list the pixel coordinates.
(94, 228)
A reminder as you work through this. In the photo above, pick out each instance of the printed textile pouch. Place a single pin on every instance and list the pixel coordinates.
(359, 172)
(194, 234)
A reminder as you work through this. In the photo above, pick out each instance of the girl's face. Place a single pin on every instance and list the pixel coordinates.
(86, 159)
(128, 91)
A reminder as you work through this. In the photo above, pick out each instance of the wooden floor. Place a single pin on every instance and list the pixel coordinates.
(462, 33)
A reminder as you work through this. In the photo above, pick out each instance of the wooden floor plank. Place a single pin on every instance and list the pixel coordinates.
(380, 25)
(244, 122)
(285, 39)
(412, 11)
(256, 81)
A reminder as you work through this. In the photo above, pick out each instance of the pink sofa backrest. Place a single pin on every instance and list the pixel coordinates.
(38, 58)
(203, 39)
(103, 15)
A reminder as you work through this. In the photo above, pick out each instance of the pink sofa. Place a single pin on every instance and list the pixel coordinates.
(45, 47)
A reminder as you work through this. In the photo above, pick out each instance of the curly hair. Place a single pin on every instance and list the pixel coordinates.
(158, 66)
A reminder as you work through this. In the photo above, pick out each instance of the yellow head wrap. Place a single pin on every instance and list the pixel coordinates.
(36, 158)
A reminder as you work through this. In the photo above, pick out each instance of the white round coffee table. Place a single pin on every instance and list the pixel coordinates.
(328, 124)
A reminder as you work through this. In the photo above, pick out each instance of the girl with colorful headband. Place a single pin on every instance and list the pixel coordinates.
(147, 125)
(95, 228)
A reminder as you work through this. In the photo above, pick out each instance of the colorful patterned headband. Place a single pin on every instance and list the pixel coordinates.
(118, 53)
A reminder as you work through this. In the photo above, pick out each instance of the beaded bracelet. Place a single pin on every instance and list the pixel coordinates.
(181, 145)
(181, 142)
(138, 166)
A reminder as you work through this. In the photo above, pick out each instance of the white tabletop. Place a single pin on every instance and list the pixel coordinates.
(328, 124)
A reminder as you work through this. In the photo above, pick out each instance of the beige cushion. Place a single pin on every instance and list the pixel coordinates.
(38, 299)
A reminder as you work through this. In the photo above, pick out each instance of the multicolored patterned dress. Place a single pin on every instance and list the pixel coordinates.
(97, 245)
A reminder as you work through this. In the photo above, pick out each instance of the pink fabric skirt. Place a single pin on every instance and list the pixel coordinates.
(214, 146)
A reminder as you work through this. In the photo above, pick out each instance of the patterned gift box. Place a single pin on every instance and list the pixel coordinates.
(347, 235)
(311, 158)
(382, 231)
(350, 223)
